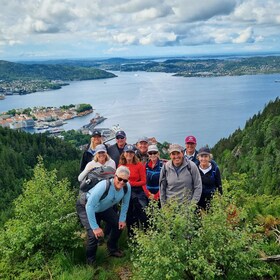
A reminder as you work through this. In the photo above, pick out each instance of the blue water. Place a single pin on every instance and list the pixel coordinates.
(163, 106)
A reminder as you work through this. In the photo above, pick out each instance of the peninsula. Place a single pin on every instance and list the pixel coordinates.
(18, 78)
(42, 118)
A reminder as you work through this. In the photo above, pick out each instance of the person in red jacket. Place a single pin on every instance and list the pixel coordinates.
(137, 179)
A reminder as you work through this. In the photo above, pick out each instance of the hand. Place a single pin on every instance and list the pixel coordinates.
(98, 232)
(151, 196)
(122, 225)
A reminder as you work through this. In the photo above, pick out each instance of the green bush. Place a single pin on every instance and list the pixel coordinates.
(182, 244)
(39, 229)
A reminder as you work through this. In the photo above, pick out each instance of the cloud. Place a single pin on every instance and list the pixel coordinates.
(124, 23)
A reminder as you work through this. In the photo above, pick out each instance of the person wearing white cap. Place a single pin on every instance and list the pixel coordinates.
(153, 168)
(179, 178)
(101, 158)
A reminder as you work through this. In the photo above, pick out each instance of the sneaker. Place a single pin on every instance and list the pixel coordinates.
(117, 254)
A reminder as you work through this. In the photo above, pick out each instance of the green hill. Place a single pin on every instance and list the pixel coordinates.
(254, 150)
(10, 71)
(18, 156)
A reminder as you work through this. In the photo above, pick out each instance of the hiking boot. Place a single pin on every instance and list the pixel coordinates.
(116, 254)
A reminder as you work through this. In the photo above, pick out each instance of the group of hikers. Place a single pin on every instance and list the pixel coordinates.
(139, 175)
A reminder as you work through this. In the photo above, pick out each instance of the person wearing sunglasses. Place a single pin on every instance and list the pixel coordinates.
(153, 168)
(100, 208)
(137, 179)
(116, 150)
(100, 158)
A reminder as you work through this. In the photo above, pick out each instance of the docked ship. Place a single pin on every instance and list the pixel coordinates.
(94, 122)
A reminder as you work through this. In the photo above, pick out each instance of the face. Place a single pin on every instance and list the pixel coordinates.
(204, 159)
(143, 147)
(190, 148)
(153, 155)
(120, 141)
(101, 156)
(120, 180)
(177, 158)
(96, 140)
(129, 155)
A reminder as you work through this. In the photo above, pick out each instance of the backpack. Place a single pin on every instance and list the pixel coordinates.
(96, 175)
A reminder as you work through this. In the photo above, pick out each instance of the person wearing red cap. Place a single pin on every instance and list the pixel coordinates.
(190, 152)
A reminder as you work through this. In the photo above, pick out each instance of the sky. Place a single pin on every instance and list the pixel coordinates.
(53, 29)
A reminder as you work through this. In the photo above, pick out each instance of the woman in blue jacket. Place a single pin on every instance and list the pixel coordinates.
(210, 176)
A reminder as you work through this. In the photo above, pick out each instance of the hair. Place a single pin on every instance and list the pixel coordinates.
(93, 146)
(123, 161)
(210, 155)
(95, 158)
(122, 169)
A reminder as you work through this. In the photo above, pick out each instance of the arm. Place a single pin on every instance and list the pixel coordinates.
(197, 184)
(125, 204)
(93, 203)
(162, 185)
(140, 179)
(218, 180)
(85, 172)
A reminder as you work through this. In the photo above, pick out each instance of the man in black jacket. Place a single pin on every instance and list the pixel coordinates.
(116, 150)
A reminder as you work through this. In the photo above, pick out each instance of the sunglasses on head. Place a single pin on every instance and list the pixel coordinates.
(121, 179)
(152, 153)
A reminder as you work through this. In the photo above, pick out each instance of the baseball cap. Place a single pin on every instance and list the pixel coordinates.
(129, 148)
(190, 139)
(96, 133)
(120, 133)
(204, 151)
(152, 148)
(100, 148)
(175, 148)
(143, 139)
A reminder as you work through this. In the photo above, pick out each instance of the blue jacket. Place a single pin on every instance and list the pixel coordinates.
(95, 205)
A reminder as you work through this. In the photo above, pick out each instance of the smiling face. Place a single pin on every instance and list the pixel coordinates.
(190, 148)
(129, 156)
(120, 140)
(101, 157)
(143, 147)
(153, 156)
(120, 180)
(204, 160)
(96, 140)
(177, 158)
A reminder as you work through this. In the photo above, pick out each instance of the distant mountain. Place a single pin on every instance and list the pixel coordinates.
(18, 71)
(186, 67)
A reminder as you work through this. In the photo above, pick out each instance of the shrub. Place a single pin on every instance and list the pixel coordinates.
(184, 244)
(39, 229)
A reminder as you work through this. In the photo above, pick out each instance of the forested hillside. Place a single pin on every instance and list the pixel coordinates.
(254, 150)
(18, 156)
(10, 71)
